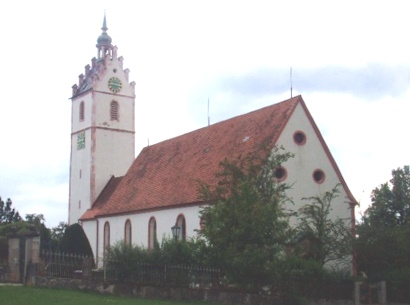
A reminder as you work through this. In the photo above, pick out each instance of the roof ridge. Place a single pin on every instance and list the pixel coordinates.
(225, 120)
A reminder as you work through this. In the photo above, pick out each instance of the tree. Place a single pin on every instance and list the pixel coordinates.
(57, 234)
(322, 238)
(38, 222)
(391, 201)
(245, 225)
(75, 241)
(382, 244)
(8, 214)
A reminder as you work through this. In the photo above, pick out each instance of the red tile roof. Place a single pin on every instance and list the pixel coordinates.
(164, 175)
(103, 198)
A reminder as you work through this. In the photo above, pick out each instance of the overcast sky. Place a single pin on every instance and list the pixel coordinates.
(350, 62)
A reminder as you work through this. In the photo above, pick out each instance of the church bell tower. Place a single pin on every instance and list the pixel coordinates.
(102, 126)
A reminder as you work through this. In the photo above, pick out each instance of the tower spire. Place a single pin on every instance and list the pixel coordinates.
(104, 40)
(104, 27)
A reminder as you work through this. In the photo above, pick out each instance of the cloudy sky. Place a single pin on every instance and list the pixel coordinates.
(350, 62)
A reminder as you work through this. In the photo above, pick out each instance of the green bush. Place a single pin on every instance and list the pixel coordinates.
(176, 252)
(288, 276)
(123, 261)
(18, 229)
(398, 281)
(170, 252)
(294, 276)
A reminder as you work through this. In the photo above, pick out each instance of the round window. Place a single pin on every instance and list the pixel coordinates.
(299, 137)
(319, 176)
(280, 173)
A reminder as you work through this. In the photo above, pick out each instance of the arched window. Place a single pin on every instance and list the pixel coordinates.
(81, 114)
(202, 223)
(152, 233)
(181, 223)
(127, 233)
(106, 239)
(114, 111)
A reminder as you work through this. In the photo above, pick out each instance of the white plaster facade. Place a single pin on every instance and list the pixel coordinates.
(109, 147)
(307, 158)
(165, 219)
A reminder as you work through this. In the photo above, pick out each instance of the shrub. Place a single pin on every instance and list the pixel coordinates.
(75, 241)
(294, 276)
(398, 281)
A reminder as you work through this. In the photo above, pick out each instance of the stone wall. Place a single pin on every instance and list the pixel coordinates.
(174, 293)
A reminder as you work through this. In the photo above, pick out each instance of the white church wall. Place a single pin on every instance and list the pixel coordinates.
(165, 219)
(76, 123)
(79, 181)
(80, 165)
(90, 230)
(125, 112)
(308, 158)
(114, 67)
(113, 155)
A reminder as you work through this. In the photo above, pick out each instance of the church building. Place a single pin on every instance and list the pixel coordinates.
(117, 197)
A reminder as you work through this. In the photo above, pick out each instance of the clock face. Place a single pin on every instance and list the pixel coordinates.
(114, 84)
(81, 140)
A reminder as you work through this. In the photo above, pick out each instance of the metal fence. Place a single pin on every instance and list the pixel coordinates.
(64, 265)
(318, 288)
(159, 275)
(4, 272)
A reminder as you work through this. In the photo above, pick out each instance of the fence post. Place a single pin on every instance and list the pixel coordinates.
(357, 292)
(382, 293)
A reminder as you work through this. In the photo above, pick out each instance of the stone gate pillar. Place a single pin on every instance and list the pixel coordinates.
(32, 257)
(24, 256)
(382, 293)
(14, 260)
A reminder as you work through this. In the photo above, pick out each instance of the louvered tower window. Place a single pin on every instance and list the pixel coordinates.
(114, 111)
(82, 111)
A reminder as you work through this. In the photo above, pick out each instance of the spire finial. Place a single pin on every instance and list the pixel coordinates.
(104, 27)
(104, 41)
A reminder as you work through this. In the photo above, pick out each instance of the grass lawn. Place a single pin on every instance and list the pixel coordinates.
(19, 295)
